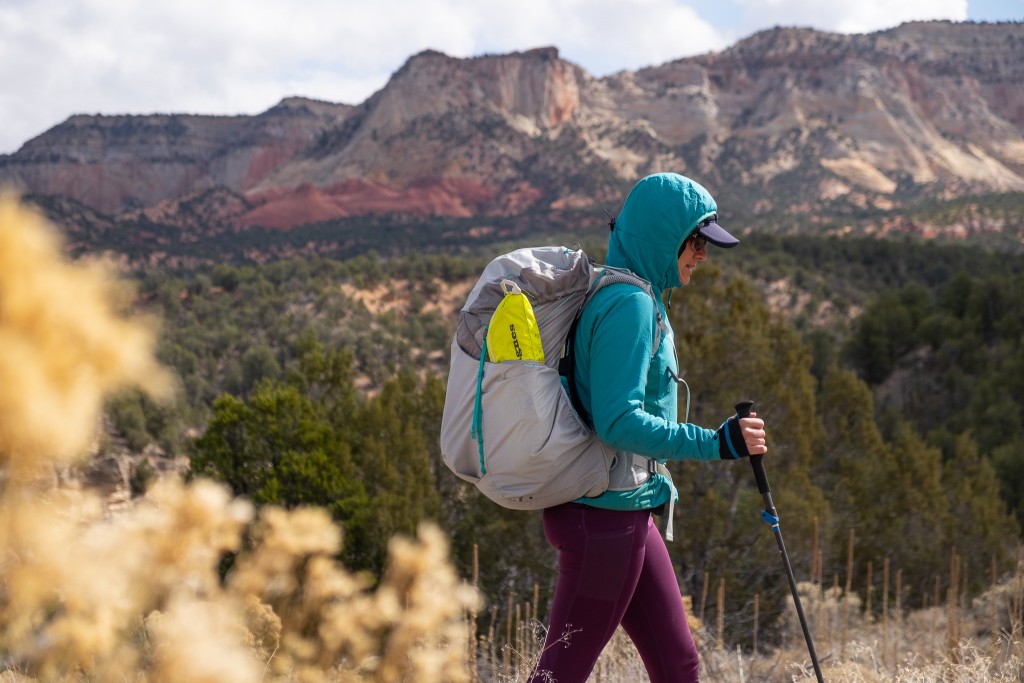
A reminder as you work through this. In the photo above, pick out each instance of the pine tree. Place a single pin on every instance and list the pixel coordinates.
(855, 462)
(395, 465)
(981, 527)
(277, 448)
(917, 511)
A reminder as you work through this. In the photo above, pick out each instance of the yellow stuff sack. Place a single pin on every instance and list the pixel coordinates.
(513, 333)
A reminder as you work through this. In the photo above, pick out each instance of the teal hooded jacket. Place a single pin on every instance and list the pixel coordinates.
(626, 389)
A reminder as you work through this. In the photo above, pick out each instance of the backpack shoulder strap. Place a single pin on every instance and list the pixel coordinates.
(611, 275)
(603, 277)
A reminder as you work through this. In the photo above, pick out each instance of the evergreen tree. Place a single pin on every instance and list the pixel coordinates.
(278, 448)
(886, 331)
(918, 514)
(395, 465)
(855, 463)
(291, 444)
(1008, 461)
(129, 420)
(258, 362)
(981, 528)
(314, 441)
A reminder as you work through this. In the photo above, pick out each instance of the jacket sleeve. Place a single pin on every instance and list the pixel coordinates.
(621, 341)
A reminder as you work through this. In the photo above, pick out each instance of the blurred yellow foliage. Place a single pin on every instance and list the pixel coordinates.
(65, 345)
(139, 595)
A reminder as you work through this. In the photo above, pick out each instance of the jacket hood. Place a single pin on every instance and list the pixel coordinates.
(661, 211)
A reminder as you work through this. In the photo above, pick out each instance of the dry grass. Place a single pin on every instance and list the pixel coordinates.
(914, 649)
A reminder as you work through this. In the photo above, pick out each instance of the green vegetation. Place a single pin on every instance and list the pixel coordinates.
(831, 460)
(993, 222)
(312, 440)
(228, 328)
(893, 416)
(952, 362)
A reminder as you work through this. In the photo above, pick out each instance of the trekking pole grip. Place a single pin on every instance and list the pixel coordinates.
(743, 410)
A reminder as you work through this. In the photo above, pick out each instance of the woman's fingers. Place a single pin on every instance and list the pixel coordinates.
(754, 435)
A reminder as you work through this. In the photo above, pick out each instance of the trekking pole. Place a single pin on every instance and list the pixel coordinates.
(770, 516)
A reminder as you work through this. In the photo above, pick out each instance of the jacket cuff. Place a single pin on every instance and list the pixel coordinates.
(730, 440)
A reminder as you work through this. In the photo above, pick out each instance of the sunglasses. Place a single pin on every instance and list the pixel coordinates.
(698, 241)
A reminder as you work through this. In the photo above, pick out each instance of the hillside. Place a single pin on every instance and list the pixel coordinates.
(792, 129)
(312, 383)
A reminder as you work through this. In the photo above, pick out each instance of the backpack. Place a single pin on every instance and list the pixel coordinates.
(510, 427)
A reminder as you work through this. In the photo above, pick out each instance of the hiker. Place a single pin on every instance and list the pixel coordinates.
(613, 565)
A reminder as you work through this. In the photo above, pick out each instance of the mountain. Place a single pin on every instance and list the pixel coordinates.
(791, 126)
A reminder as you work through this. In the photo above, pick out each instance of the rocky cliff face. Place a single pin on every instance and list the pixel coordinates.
(114, 164)
(788, 121)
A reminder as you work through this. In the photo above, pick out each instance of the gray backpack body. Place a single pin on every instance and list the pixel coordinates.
(510, 428)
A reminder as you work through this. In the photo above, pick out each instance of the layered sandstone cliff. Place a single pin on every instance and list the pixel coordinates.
(788, 120)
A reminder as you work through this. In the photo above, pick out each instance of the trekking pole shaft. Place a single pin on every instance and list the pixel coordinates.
(796, 600)
(772, 516)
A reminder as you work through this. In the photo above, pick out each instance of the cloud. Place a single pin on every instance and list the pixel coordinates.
(59, 57)
(603, 36)
(863, 16)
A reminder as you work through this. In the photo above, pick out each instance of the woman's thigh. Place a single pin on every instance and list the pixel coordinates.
(655, 619)
(601, 555)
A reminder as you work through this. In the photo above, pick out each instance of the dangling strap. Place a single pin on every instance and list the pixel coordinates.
(656, 467)
(679, 380)
(668, 522)
(477, 428)
(657, 330)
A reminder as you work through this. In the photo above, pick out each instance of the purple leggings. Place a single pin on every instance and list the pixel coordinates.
(613, 568)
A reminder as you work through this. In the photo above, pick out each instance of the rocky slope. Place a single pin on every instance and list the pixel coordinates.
(789, 122)
(115, 164)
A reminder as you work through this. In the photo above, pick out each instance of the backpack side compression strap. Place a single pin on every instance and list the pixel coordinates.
(477, 428)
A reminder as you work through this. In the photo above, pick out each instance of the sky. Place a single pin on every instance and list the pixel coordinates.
(64, 57)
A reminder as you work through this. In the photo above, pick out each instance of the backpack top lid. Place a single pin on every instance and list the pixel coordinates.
(554, 280)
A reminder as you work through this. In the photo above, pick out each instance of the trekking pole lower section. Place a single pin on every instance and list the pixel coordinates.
(771, 517)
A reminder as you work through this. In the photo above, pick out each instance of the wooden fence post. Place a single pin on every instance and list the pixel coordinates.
(721, 613)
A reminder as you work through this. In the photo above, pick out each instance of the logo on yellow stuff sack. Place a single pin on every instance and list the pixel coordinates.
(513, 333)
(515, 342)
